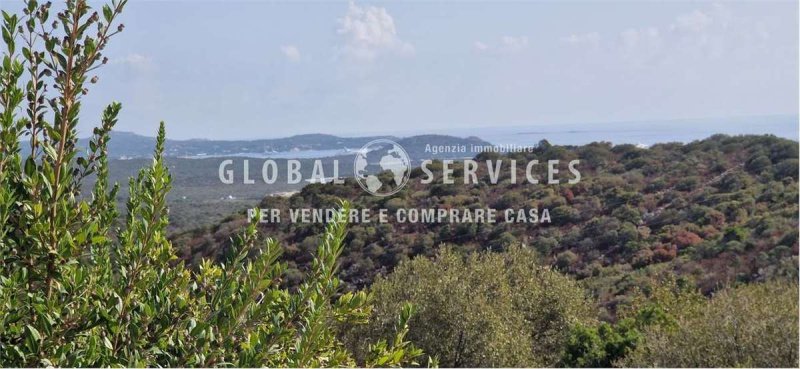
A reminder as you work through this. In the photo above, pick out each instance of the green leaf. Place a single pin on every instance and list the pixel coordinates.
(107, 343)
(34, 333)
(107, 12)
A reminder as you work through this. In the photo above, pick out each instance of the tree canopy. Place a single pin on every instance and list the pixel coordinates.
(79, 289)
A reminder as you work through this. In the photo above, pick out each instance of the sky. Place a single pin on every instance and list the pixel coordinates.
(253, 69)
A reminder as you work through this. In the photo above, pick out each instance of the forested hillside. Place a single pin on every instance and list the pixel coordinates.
(689, 250)
(199, 198)
(717, 211)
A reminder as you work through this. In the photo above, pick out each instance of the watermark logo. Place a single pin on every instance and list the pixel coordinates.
(382, 167)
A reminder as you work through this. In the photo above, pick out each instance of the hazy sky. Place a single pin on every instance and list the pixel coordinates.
(257, 69)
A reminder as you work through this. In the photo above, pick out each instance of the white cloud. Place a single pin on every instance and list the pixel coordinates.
(590, 38)
(136, 61)
(291, 52)
(506, 44)
(369, 32)
(633, 37)
(642, 46)
(511, 43)
(710, 33)
(695, 21)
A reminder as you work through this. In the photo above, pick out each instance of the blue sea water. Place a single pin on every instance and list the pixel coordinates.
(293, 154)
(643, 133)
(637, 133)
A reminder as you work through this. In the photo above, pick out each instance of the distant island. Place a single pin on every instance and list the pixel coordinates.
(128, 145)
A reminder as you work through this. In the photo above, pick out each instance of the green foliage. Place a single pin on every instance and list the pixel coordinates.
(621, 224)
(749, 326)
(672, 325)
(77, 290)
(483, 309)
(599, 347)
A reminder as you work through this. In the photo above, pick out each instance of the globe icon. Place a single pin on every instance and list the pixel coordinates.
(382, 167)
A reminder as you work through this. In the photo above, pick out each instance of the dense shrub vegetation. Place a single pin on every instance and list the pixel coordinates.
(483, 309)
(676, 255)
(698, 210)
(78, 291)
(672, 325)
(749, 326)
(657, 237)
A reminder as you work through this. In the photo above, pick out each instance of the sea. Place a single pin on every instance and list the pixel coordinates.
(645, 133)
(642, 134)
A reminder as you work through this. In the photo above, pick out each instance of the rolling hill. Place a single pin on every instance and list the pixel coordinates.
(717, 211)
(199, 197)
